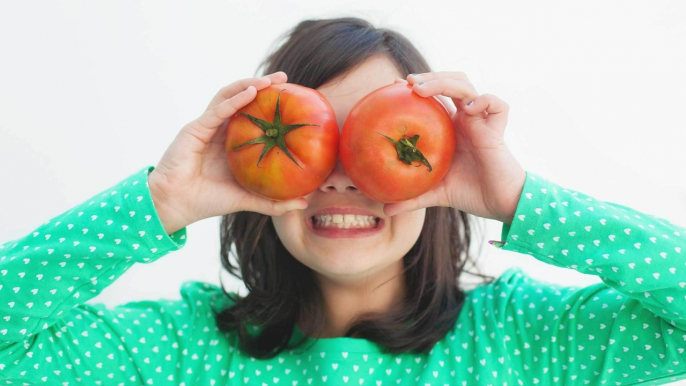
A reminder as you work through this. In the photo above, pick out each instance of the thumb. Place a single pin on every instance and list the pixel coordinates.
(425, 200)
(400, 207)
(269, 207)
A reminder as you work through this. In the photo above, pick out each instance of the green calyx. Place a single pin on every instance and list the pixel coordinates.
(274, 133)
(407, 150)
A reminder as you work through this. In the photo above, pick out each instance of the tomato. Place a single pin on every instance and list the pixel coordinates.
(284, 143)
(396, 144)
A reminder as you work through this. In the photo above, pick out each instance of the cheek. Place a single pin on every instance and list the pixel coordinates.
(289, 229)
(406, 228)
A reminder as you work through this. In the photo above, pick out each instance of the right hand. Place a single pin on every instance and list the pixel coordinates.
(193, 180)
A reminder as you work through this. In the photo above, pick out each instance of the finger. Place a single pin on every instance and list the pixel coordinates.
(417, 78)
(497, 110)
(448, 104)
(278, 77)
(461, 92)
(209, 122)
(240, 85)
(425, 200)
(234, 88)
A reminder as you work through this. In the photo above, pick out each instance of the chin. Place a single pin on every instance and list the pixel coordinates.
(343, 263)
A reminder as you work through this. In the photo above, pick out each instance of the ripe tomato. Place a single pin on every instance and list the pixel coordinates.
(284, 143)
(395, 144)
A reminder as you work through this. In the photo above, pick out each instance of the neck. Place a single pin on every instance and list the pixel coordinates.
(344, 300)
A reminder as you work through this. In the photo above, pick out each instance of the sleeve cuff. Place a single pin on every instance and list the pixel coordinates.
(141, 209)
(526, 200)
(519, 236)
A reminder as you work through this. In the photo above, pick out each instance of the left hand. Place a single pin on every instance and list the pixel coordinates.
(484, 178)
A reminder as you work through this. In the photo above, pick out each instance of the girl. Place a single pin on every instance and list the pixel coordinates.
(382, 308)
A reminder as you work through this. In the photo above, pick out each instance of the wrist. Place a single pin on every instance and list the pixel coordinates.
(512, 199)
(170, 218)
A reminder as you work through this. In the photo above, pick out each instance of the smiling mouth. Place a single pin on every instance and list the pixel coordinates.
(345, 221)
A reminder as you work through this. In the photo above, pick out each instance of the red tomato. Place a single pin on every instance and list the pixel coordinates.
(284, 143)
(396, 145)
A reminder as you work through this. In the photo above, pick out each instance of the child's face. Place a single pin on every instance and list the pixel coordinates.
(350, 259)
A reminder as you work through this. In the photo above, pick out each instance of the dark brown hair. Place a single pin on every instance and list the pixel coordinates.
(281, 290)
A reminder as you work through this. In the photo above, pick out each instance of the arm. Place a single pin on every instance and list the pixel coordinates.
(47, 330)
(630, 328)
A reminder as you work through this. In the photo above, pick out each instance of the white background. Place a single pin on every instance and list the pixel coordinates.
(90, 93)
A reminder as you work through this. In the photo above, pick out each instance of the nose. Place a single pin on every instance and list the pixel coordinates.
(338, 182)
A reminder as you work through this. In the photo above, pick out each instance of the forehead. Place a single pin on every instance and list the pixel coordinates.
(344, 91)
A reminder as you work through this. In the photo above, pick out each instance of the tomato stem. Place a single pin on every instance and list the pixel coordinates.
(407, 150)
(274, 132)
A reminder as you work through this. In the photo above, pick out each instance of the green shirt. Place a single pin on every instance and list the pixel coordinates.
(515, 330)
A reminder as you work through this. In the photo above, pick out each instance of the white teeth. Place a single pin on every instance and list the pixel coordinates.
(344, 221)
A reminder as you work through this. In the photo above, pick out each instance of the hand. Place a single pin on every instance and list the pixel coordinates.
(484, 178)
(193, 180)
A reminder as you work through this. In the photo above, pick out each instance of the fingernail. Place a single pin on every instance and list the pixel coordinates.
(414, 74)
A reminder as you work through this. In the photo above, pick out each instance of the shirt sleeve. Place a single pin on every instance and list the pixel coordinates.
(46, 329)
(629, 329)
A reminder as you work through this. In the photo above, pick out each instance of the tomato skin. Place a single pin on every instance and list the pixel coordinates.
(315, 148)
(371, 160)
